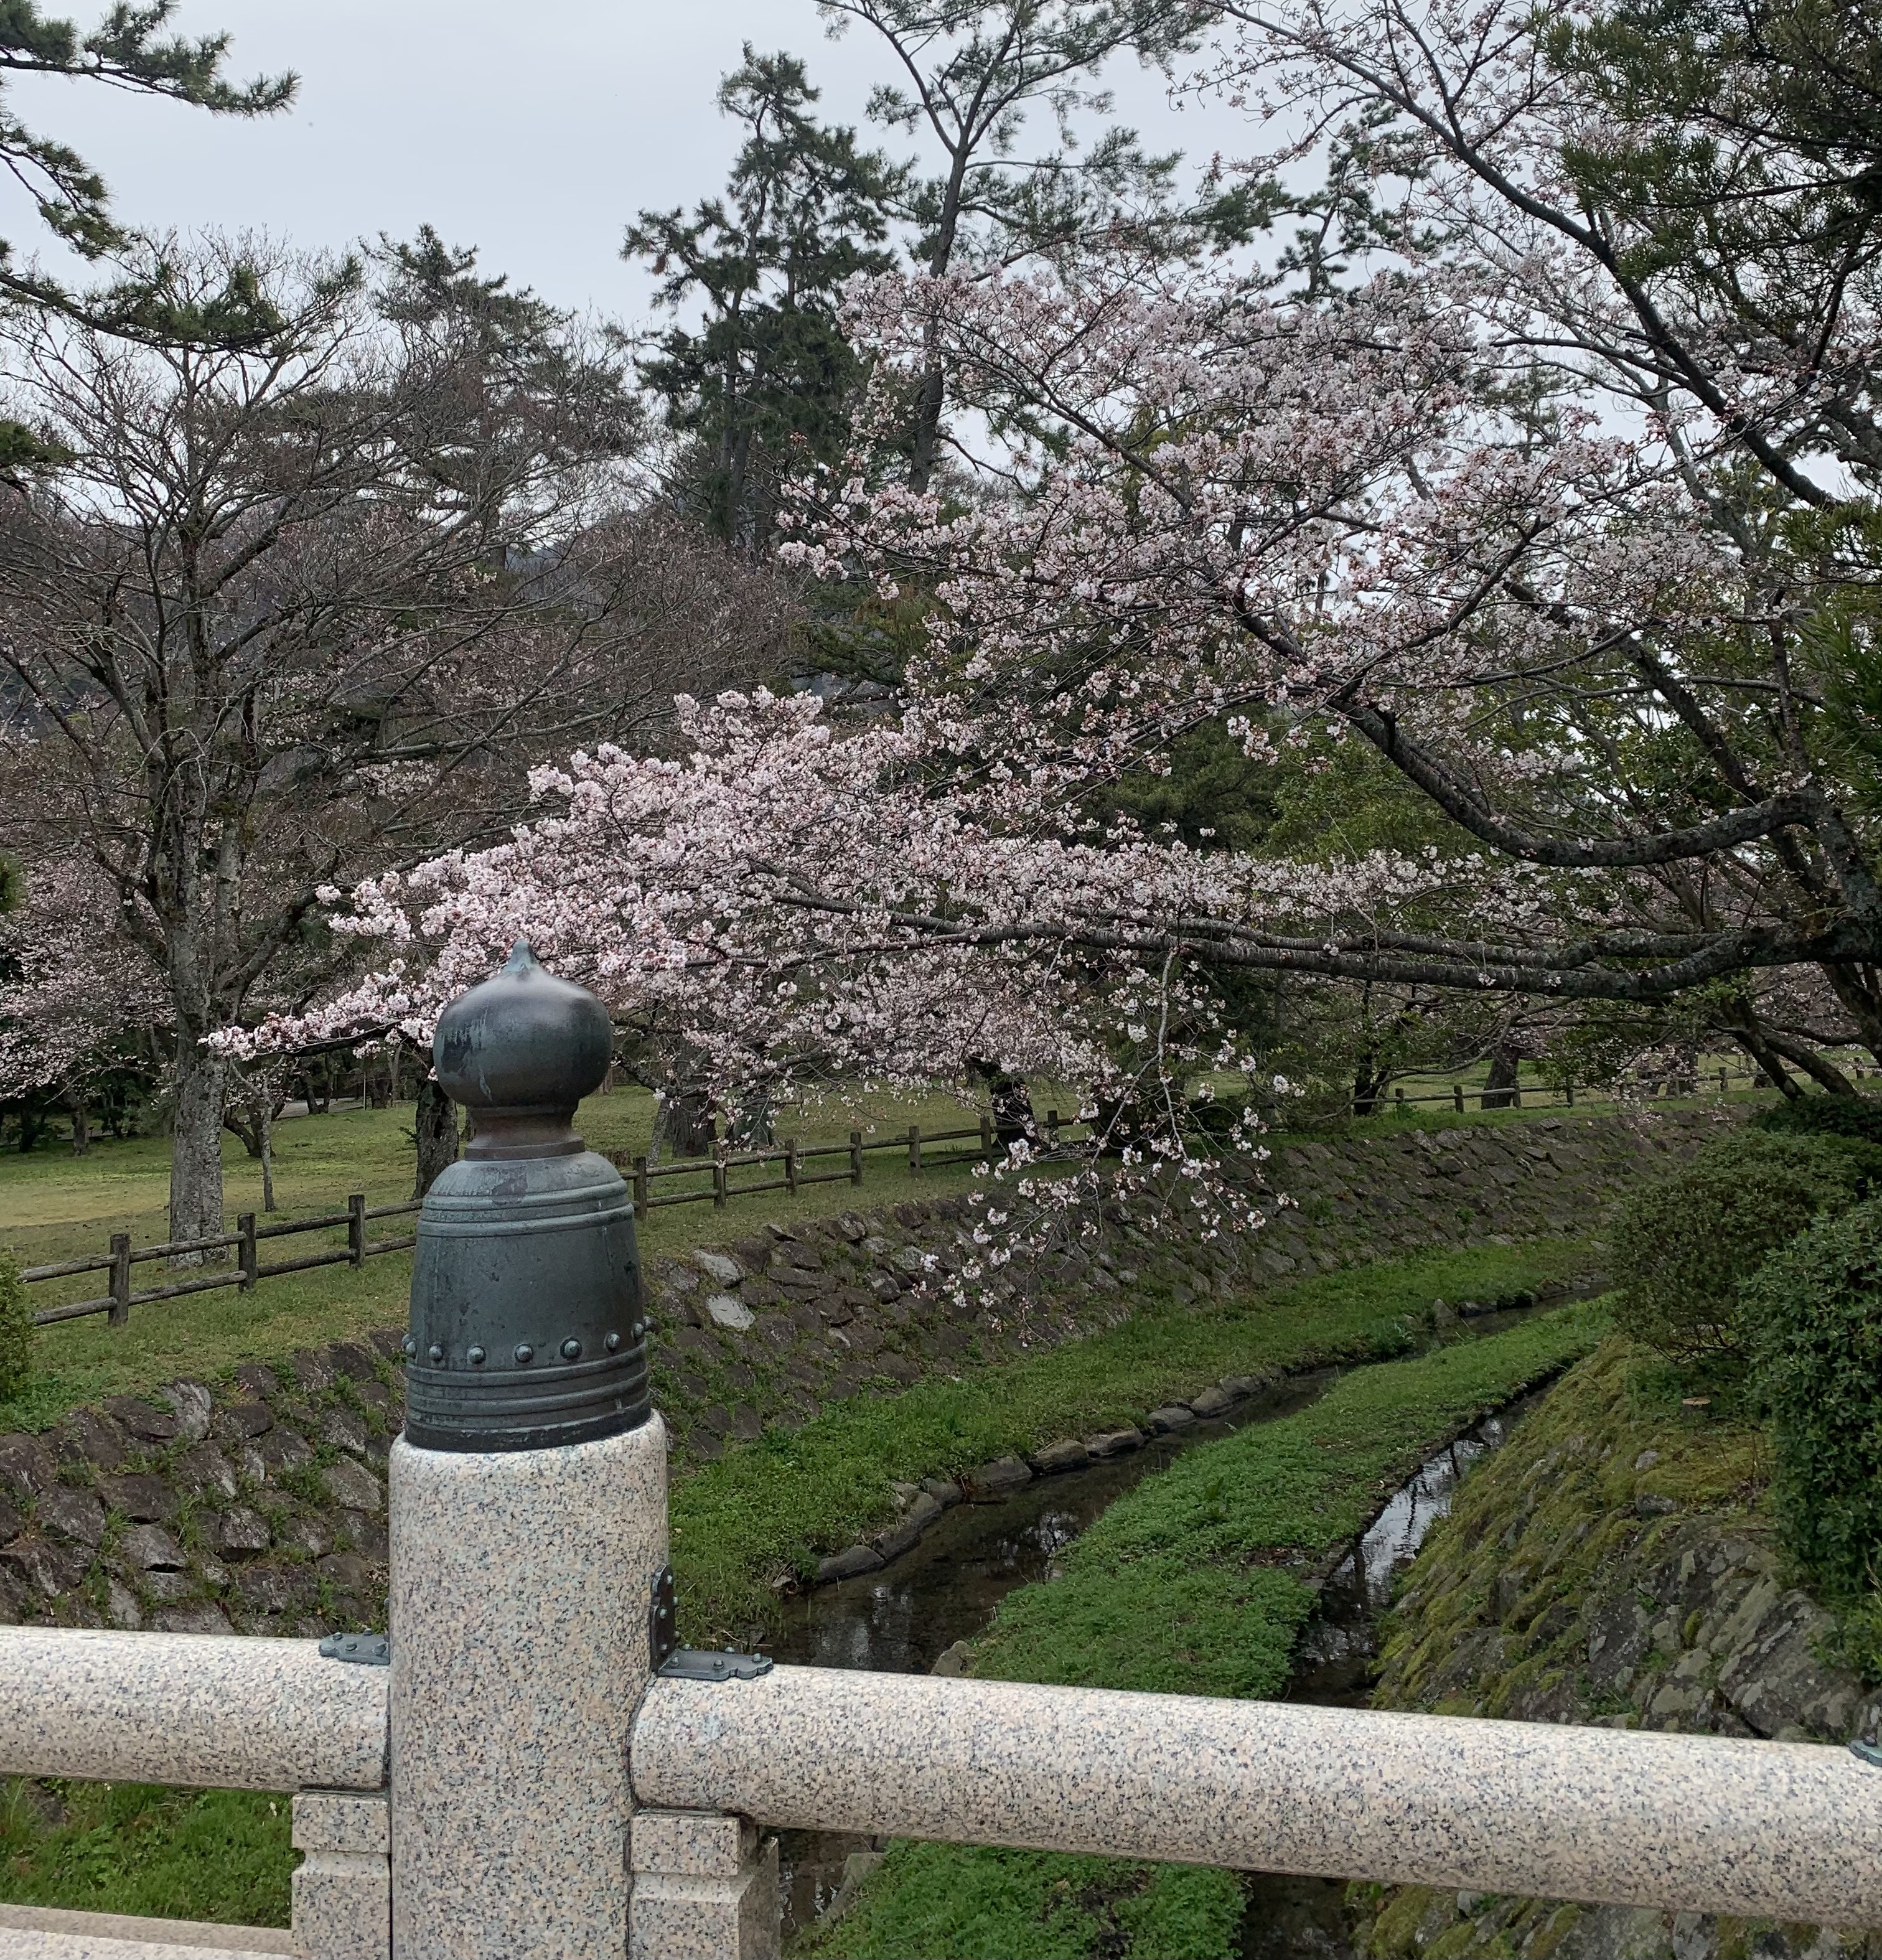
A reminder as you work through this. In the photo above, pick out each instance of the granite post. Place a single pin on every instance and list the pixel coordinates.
(528, 1504)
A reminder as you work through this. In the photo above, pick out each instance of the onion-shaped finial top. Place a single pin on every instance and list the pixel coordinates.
(523, 1043)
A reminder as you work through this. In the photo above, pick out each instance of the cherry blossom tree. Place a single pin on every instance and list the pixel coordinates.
(78, 1001)
(1551, 537)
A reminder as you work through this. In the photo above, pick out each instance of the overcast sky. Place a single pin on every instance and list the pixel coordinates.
(533, 132)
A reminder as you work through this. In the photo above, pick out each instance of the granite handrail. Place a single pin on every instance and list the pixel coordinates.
(208, 1711)
(1681, 1823)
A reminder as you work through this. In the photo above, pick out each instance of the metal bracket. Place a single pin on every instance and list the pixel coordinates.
(701, 1664)
(662, 1635)
(362, 1650)
(1867, 1752)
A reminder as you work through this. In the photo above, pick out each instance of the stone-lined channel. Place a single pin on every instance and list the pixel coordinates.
(905, 1618)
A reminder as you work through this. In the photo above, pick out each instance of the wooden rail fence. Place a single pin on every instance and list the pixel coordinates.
(246, 1240)
(787, 1159)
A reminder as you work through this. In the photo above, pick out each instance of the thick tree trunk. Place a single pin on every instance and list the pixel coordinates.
(685, 1125)
(1010, 1102)
(195, 1158)
(1368, 1085)
(435, 1126)
(1500, 1088)
(81, 1126)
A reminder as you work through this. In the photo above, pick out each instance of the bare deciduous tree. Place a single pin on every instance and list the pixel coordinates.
(296, 612)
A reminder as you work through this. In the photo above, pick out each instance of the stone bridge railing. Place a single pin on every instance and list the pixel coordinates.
(532, 1771)
(523, 1782)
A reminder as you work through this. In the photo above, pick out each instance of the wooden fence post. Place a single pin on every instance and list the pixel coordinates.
(1722, 1089)
(720, 1193)
(120, 1279)
(1567, 1090)
(1398, 1096)
(1052, 1128)
(640, 1185)
(790, 1165)
(856, 1157)
(987, 1133)
(356, 1228)
(245, 1224)
(1456, 1097)
(914, 1149)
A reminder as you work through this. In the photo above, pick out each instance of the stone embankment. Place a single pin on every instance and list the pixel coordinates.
(1612, 1565)
(258, 1504)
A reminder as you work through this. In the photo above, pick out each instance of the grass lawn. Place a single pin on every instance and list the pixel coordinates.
(1184, 1586)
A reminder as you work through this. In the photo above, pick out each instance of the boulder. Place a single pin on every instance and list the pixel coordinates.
(1114, 1443)
(192, 1402)
(1056, 1457)
(151, 1549)
(850, 1564)
(26, 1467)
(1173, 1415)
(143, 1500)
(73, 1515)
(991, 1481)
(242, 1534)
(353, 1487)
(719, 1266)
(139, 1419)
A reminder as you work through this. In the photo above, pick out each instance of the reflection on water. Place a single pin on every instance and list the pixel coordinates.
(903, 1618)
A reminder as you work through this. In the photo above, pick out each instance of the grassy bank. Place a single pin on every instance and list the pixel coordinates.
(1191, 1584)
(772, 1507)
(218, 1855)
(768, 1507)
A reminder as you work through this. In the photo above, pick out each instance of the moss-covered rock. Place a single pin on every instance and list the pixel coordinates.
(1612, 1565)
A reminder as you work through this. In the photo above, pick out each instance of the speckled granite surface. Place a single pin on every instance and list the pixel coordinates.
(1703, 1823)
(209, 1711)
(520, 1590)
(34, 1932)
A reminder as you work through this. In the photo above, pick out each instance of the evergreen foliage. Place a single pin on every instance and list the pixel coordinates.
(128, 49)
(1815, 1308)
(765, 385)
(1859, 1117)
(1683, 1246)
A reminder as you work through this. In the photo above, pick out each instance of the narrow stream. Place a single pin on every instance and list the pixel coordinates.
(1303, 1918)
(904, 1618)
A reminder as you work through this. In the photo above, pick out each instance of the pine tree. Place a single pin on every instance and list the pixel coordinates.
(765, 383)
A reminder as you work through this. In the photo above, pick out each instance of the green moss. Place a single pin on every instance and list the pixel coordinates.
(1560, 1507)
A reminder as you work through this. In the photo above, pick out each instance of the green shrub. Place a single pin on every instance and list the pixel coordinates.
(1856, 1116)
(1681, 1246)
(16, 1329)
(1815, 1314)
